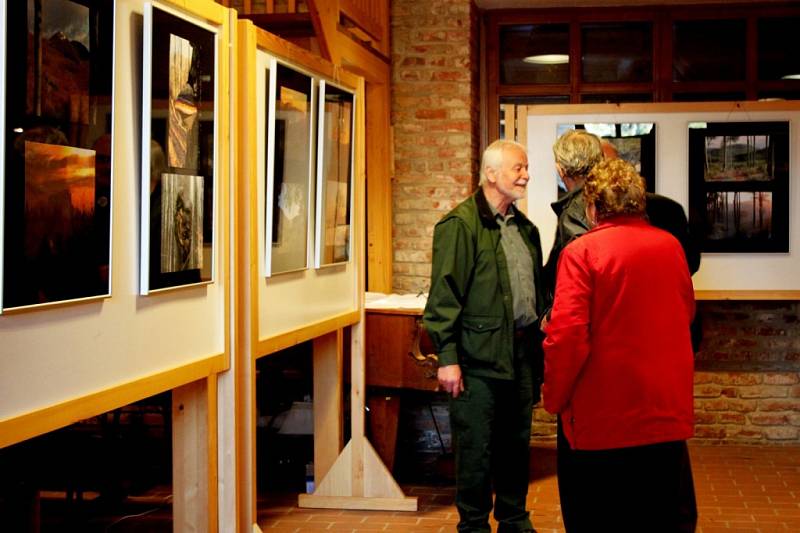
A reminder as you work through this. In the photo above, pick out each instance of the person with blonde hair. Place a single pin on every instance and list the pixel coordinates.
(482, 315)
(619, 364)
(576, 152)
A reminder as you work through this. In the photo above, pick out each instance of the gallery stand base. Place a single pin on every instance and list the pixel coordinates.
(358, 480)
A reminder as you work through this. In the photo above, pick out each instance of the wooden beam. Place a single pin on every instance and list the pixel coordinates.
(328, 416)
(379, 187)
(193, 443)
(29, 425)
(325, 16)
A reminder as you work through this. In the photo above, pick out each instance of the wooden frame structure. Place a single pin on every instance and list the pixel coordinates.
(354, 478)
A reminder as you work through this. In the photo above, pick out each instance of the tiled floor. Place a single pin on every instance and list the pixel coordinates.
(742, 489)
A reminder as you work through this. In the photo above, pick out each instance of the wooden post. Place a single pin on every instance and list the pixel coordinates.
(194, 456)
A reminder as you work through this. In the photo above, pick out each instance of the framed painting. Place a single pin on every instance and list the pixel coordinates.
(56, 179)
(334, 175)
(179, 147)
(635, 143)
(739, 186)
(290, 170)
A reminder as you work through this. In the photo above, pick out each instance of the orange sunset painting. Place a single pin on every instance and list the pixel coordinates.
(59, 197)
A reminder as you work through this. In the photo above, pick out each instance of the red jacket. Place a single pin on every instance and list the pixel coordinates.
(618, 353)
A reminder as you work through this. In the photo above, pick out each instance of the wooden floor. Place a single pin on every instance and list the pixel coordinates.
(747, 489)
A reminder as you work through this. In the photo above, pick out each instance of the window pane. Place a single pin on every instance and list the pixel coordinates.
(617, 52)
(605, 98)
(520, 43)
(779, 95)
(708, 97)
(776, 40)
(709, 50)
(534, 100)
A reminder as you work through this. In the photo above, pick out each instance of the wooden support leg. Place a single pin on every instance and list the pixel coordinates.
(358, 479)
(194, 456)
(328, 419)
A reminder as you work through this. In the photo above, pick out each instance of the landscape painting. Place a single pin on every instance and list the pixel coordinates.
(56, 183)
(739, 186)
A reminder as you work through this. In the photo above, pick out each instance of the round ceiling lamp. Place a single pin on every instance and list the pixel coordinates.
(547, 59)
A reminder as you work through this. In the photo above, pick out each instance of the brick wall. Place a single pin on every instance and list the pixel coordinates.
(435, 118)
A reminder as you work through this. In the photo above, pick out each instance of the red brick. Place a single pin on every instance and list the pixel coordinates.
(790, 404)
(768, 419)
(431, 113)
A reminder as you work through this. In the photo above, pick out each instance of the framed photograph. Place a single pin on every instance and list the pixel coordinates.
(334, 175)
(179, 147)
(290, 168)
(56, 182)
(739, 186)
(635, 143)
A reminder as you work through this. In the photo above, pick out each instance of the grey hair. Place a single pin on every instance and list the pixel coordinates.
(576, 152)
(493, 156)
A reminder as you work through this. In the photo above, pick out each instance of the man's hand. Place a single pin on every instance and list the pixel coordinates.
(450, 379)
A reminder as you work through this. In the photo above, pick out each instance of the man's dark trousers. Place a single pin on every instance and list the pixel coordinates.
(491, 426)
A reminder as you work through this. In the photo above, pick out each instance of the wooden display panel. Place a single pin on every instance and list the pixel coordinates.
(313, 304)
(721, 275)
(67, 363)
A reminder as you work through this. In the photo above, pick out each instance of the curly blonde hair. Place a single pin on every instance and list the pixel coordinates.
(576, 152)
(615, 188)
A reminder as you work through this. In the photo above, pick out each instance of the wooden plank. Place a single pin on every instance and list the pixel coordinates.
(292, 338)
(666, 107)
(190, 454)
(747, 295)
(325, 16)
(28, 425)
(303, 58)
(212, 463)
(245, 210)
(328, 417)
(379, 187)
(356, 504)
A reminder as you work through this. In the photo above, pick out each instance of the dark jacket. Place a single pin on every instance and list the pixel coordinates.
(571, 212)
(469, 315)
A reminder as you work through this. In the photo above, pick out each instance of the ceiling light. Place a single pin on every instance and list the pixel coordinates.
(547, 59)
(787, 77)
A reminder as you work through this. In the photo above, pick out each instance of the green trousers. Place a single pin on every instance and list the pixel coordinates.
(491, 427)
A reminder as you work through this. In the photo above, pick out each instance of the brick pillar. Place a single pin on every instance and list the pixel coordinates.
(435, 118)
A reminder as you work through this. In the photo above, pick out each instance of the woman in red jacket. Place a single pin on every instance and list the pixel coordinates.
(619, 364)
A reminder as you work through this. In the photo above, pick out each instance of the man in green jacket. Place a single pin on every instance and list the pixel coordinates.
(483, 307)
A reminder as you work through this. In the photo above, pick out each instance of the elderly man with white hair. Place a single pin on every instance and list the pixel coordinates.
(482, 314)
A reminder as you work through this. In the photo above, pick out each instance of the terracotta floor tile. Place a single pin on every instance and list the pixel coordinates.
(744, 489)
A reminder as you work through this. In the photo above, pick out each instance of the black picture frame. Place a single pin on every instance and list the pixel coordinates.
(57, 173)
(739, 186)
(178, 139)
